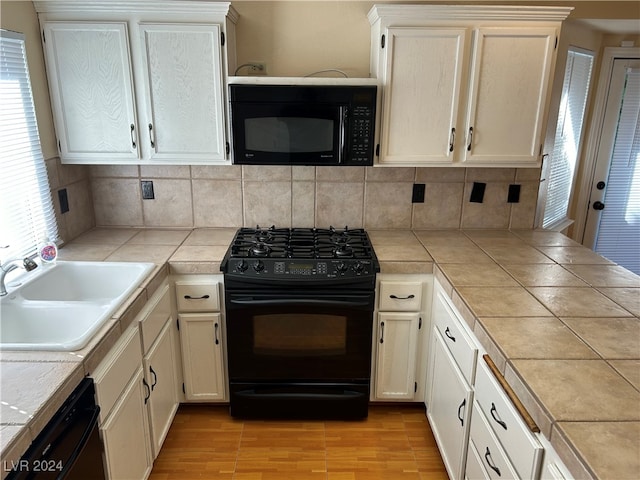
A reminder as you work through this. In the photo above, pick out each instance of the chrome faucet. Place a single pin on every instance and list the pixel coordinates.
(10, 265)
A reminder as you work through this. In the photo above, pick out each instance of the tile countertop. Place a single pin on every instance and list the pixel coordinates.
(560, 322)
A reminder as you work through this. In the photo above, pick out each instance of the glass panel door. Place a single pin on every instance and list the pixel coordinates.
(613, 223)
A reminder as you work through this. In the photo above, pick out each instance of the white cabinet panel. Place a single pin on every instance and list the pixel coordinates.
(185, 106)
(509, 87)
(522, 447)
(449, 408)
(89, 70)
(160, 375)
(125, 435)
(422, 94)
(202, 356)
(397, 351)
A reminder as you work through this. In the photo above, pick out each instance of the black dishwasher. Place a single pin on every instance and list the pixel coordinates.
(69, 447)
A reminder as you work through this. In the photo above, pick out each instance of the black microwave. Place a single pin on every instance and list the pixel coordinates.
(303, 124)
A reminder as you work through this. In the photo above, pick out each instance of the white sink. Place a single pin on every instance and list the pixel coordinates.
(60, 307)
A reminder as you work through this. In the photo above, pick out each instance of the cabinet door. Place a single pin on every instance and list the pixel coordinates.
(511, 69)
(126, 434)
(422, 78)
(89, 71)
(160, 375)
(185, 107)
(449, 409)
(396, 356)
(203, 356)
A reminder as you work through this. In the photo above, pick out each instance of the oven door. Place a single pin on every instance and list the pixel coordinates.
(299, 337)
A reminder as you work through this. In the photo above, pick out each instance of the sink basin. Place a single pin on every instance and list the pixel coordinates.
(85, 281)
(60, 307)
(49, 327)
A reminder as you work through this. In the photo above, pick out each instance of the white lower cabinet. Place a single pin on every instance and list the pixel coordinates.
(202, 356)
(396, 359)
(494, 462)
(160, 376)
(201, 325)
(449, 409)
(125, 434)
(400, 337)
(121, 393)
(136, 389)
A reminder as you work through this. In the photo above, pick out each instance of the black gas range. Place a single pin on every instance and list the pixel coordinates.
(299, 319)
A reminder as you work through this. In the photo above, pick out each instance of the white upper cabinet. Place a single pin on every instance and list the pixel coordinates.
(142, 83)
(89, 70)
(422, 76)
(463, 85)
(508, 95)
(184, 94)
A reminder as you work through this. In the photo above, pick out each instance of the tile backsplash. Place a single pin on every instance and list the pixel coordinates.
(380, 198)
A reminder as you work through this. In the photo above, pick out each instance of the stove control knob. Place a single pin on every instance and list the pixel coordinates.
(342, 267)
(242, 266)
(258, 266)
(358, 267)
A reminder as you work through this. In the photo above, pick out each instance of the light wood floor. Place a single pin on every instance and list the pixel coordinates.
(204, 442)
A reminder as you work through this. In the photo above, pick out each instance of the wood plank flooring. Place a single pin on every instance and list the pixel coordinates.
(204, 442)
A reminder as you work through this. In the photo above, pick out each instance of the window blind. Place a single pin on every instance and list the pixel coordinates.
(618, 236)
(26, 209)
(566, 147)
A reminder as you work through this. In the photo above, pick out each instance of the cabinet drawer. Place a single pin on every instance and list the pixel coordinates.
(494, 460)
(462, 347)
(114, 372)
(474, 469)
(153, 318)
(524, 450)
(197, 296)
(400, 296)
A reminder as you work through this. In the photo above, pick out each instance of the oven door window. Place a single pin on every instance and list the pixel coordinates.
(292, 336)
(298, 343)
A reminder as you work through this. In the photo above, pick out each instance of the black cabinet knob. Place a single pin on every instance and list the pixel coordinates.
(598, 206)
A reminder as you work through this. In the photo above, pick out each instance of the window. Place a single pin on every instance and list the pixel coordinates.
(563, 159)
(26, 209)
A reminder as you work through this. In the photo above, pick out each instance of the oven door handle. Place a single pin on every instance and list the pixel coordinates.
(300, 301)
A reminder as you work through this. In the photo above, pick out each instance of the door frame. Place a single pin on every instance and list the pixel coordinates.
(595, 132)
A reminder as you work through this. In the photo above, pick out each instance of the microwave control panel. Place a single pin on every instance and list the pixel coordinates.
(361, 138)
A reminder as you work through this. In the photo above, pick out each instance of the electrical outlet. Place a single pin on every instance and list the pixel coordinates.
(417, 195)
(64, 200)
(147, 190)
(257, 68)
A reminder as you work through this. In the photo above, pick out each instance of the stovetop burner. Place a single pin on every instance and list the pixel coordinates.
(301, 243)
(303, 253)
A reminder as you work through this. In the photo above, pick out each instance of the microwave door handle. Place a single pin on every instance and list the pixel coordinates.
(344, 112)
